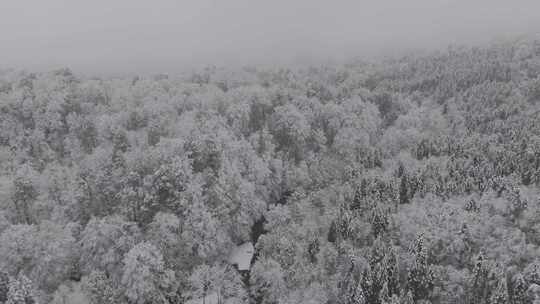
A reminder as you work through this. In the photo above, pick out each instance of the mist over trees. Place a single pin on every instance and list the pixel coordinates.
(409, 180)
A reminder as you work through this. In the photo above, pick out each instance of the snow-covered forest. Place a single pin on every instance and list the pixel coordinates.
(408, 180)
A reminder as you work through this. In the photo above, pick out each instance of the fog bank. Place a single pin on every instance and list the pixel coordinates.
(126, 36)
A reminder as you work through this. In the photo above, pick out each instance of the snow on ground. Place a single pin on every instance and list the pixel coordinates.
(242, 255)
(209, 299)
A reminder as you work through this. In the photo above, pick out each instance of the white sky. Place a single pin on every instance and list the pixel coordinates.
(125, 36)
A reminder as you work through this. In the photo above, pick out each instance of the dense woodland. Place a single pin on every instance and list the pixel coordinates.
(405, 180)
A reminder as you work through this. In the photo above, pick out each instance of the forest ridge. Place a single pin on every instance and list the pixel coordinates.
(407, 180)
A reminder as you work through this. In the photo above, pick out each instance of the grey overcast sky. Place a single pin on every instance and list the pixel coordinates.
(126, 36)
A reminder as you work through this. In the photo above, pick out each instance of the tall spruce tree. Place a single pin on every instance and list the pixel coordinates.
(4, 286)
(420, 275)
(20, 291)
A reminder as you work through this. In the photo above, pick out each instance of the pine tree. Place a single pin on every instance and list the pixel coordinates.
(20, 291)
(98, 287)
(382, 276)
(4, 286)
(400, 170)
(483, 277)
(403, 190)
(500, 294)
(367, 284)
(407, 298)
(517, 203)
(390, 263)
(358, 197)
(377, 252)
(532, 273)
(332, 233)
(379, 222)
(519, 290)
(25, 192)
(358, 297)
(420, 276)
(376, 274)
(384, 296)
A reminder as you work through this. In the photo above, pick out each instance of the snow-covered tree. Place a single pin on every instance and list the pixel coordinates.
(98, 288)
(25, 192)
(420, 277)
(519, 290)
(267, 281)
(4, 286)
(20, 291)
(500, 294)
(145, 278)
(104, 242)
(218, 281)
